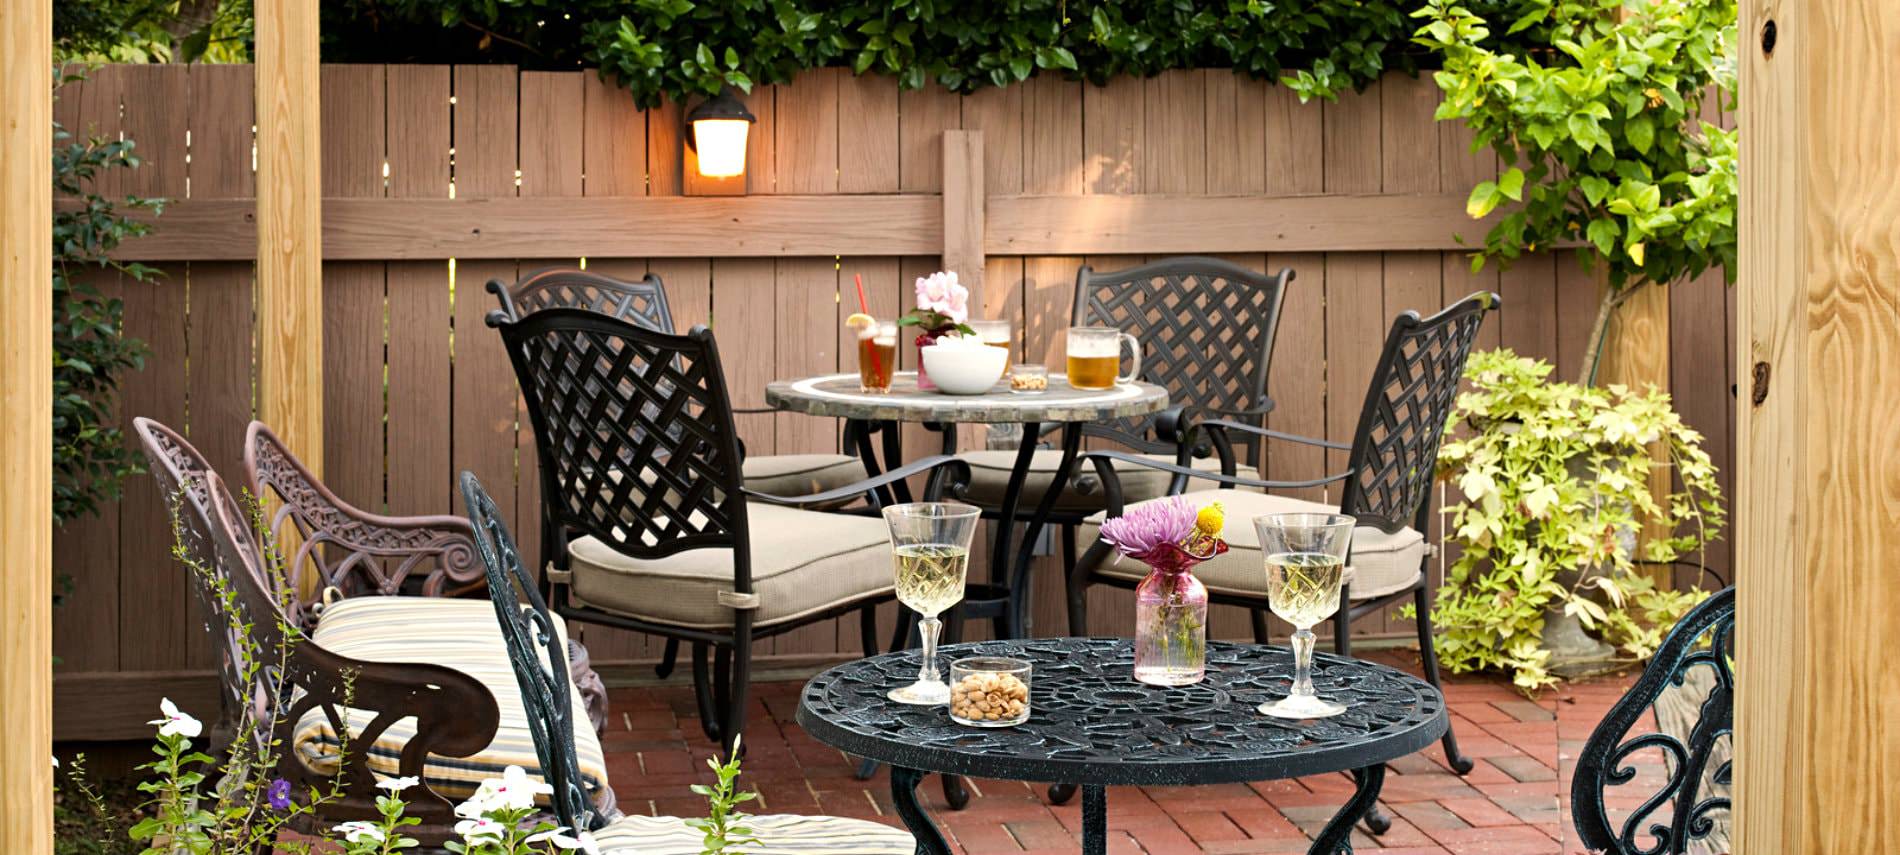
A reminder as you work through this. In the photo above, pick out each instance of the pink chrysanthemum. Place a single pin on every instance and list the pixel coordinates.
(1142, 529)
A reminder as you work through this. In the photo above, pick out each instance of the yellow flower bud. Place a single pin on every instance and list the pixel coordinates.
(1210, 521)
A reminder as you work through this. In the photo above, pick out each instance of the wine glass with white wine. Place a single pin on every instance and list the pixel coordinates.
(930, 542)
(1306, 567)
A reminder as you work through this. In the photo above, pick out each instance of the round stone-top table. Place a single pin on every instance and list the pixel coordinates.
(1091, 724)
(837, 395)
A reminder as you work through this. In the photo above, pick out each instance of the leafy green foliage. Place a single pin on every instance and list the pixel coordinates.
(720, 827)
(1555, 480)
(684, 48)
(1601, 130)
(152, 30)
(90, 348)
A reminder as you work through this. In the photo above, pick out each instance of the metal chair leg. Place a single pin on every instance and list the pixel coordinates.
(1060, 794)
(954, 793)
(703, 693)
(668, 658)
(1428, 653)
(867, 629)
(1260, 633)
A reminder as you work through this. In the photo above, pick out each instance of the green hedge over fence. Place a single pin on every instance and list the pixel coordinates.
(681, 48)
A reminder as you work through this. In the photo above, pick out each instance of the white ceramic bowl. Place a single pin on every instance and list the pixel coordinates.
(965, 370)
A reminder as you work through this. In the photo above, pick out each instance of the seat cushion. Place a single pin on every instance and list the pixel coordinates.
(458, 634)
(989, 479)
(778, 835)
(803, 562)
(1380, 563)
(801, 474)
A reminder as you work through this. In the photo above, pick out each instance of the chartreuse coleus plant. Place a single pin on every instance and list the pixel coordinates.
(1600, 133)
(1552, 482)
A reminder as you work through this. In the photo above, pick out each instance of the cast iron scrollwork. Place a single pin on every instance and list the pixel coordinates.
(1696, 656)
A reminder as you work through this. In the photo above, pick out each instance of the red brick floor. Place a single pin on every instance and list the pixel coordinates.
(1513, 803)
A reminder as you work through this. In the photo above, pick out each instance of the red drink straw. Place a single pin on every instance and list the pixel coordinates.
(864, 306)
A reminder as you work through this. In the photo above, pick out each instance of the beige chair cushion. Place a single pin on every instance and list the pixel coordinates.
(802, 474)
(459, 634)
(1380, 563)
(989, 479)
(802, 562)
(777, 835)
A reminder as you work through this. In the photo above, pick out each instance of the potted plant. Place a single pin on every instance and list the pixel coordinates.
(943, 304)
(1554, 480)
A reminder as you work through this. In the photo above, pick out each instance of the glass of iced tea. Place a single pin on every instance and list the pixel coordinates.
(1095, 355)
(994, 333)
(877, 356)
(930, 545)
(1306, 568)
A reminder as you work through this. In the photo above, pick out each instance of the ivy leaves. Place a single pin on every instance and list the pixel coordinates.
(1601, 129)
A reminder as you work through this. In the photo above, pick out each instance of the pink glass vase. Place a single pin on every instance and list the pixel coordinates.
(1171, 618)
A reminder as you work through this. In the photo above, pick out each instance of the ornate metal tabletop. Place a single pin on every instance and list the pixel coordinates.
(1091, 724)
(838, 395)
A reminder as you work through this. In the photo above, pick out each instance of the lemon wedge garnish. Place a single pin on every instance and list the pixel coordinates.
(859, 320)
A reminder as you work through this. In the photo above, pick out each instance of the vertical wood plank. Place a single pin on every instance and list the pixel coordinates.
(1236, 119)
(1174, 136)
(1701, 387)
(997, 111)
(353, 297)
(1296, 135)
(806, 157)
(666, 149)
(963, 195)
(26, 216)
(613, 139)
(220, 339)
(421, 475)
(1053, 152)
(923, 115)
(1529, 289)
(1576, 305)
(151, 591)
(290, 227)
(482, 401)
(1112, 130)
(744, 317)
(867, 134)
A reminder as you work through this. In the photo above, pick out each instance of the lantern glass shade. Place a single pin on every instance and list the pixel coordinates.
(721, 145)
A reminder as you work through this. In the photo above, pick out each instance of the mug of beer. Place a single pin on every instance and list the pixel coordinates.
(1094, 355)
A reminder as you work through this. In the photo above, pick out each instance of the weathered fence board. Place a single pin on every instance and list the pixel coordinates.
(440, 179)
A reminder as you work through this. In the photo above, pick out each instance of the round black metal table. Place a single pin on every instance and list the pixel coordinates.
(1092, 725)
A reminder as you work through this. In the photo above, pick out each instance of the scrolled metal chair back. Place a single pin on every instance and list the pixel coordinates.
(1395, 448)
(641, 303)
(635, 434)
(351, 551)
(1206, 328)
(1695, 656)
(536, 651)
(185, 480)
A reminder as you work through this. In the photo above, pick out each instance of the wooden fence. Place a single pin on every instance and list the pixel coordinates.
(438, 179)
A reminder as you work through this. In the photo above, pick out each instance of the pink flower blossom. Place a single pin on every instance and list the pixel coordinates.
(940, 292)
(1149, 526)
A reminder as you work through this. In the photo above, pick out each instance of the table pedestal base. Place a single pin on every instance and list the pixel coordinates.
(1335, 838)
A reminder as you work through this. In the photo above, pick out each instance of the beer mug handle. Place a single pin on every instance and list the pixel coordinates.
(1134, 366)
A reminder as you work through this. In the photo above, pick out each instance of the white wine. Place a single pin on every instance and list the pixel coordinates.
(930, 576)
(1303, 587)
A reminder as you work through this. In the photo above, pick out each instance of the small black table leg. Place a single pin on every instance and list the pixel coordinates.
(1377, 822)
(1336, 837)
(1060, 794)
(904, 794)
(954, 793)
(867, 769)
(1026, 548)
(1094, 821)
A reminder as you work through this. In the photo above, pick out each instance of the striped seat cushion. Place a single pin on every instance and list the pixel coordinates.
(778, 835)
(459, 634)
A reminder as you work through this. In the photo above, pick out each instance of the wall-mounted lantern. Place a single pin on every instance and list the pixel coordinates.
(719, 127)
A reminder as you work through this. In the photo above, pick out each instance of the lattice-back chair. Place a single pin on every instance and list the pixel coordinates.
(1686, 764)
(532, 633)
(295, 711)
(342, 551)
(646, 522)
(1389, 470)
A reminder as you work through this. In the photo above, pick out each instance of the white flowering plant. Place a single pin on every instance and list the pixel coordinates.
(943, 305)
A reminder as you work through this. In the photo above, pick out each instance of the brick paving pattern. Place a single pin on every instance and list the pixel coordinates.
(1513, 803)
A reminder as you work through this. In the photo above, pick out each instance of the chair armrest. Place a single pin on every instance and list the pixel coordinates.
(1229, 424)
(455, 716)
(1104, 463)
(753, 411)
(949, 477)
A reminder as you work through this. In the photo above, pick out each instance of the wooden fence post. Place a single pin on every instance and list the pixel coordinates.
(26, 429)
(963, 209)
(290, 227)
(1816, 734)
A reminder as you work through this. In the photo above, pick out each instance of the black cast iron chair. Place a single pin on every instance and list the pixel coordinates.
(1689, 691)
(535, 652)
(1206, 328)
(646, 522)
(1388, 481)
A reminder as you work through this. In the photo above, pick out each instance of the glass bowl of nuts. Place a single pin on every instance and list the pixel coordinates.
(989, 691)
(1028, 380)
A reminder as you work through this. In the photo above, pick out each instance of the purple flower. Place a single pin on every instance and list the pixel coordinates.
(1150, 525)
(279, 794)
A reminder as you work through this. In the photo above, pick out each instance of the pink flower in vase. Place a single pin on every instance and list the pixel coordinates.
(1170, 536)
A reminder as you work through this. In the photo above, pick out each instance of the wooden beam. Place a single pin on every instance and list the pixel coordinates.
(115, 705)
(26, 429)
(289, 226)
(963, 209)
(413, 229)
(1159, 225)
(1817, 738)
